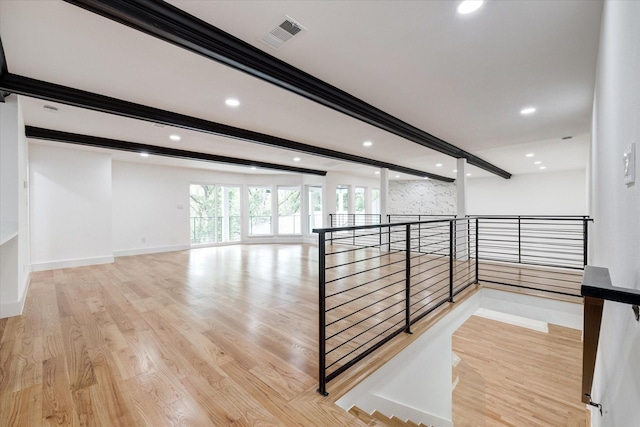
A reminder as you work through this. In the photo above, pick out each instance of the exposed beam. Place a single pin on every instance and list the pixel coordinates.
(3, 70)
(114, 144)
(171, 24)
(79, 98)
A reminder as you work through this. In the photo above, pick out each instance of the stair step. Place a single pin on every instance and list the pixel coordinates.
(389, 422)
(362, 415)
(379, 419)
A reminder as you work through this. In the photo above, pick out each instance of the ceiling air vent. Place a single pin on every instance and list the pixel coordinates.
(283, 32)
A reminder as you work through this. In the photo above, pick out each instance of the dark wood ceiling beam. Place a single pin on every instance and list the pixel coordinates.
(83, 99)
(169, 23)
(114, 144)
(3, 70)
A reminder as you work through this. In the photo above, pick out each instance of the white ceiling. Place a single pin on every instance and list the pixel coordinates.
(461, 78)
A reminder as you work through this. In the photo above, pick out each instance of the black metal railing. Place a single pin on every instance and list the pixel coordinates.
(541, 253)
(371, 292)
(357, 237)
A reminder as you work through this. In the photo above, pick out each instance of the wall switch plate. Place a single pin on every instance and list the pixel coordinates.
(629, 162)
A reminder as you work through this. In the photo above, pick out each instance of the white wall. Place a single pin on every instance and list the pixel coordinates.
(552, 193)
(150, 208)
(427, 197)
(14, 217)
(615, 207)
(70, 207)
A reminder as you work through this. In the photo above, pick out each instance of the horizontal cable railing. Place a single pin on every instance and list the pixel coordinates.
(357, 237)
(545, 253)
(375, 281)
(371, 292)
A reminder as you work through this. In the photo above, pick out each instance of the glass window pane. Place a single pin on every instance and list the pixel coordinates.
(315, 208)
(289, 210)
(203, 213)
(259, 211)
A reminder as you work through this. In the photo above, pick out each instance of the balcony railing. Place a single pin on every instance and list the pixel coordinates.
(375, 281)
(211, 229)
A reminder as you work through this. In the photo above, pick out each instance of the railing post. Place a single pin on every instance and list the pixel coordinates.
(477, 251)
(451, 247)
(519, 242)
(407, 277)
(585, 243)
(353, 232)
(322, 378)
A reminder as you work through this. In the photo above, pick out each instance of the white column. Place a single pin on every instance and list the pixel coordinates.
(384, 204)
(384, 194)
(461, 239)
(225, 214)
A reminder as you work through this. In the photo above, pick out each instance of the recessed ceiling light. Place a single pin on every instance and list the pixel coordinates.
(425, 177)
(174, 137)
(537, 163)
(296, 159)
(543, 167)
(469, 6)
(377, 172)
(144, 154)
(438, 165)
(232, 102)
(528, 110)
(468, 174)
(455, 171)
(530, 155)
(367, 143)
(397, 176)
(253, 168)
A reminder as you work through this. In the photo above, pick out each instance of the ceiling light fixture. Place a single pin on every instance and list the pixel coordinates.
(455, 171)
(468, 174)
(537, 163)
(377, 172)
(367, 143)
(397, 176)
(144, 154)
(296, 159)
(425, 177)
(543, 167)
(438, 165)
(232, 102)
(253, 168)
(174, 137)
(469, 6)
(527, 111)
(530, 155)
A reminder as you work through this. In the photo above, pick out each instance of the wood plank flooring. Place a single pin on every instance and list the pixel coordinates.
(512, 376)
(212, 336)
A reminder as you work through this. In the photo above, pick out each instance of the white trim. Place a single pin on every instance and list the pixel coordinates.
(274, 240)
(79, 262)
(151, 250)
(523, 322)
(14, 308)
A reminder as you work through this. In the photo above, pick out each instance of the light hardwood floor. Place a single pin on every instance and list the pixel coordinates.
(512, 376)
(215, 336)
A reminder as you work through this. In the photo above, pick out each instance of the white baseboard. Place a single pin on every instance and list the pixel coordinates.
(523, 322)
(152, 250)
(79, 262)
(14, 308)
